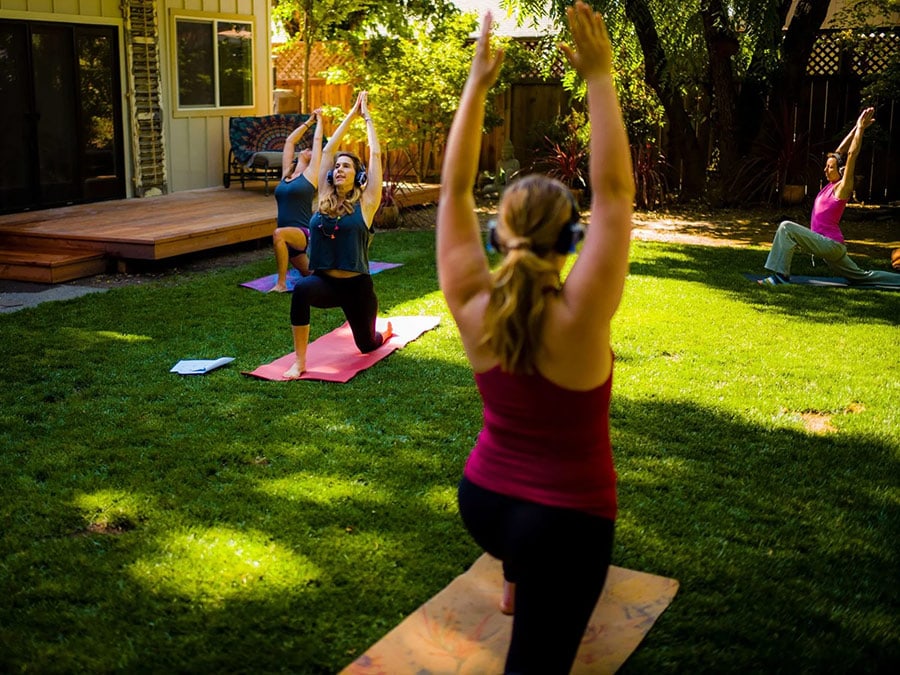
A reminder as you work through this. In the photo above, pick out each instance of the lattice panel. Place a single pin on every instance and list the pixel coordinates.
(540, 46)
(874, 56)
(289, 62)
(869, 56)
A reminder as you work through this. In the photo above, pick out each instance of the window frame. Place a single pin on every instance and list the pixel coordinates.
(213, 20)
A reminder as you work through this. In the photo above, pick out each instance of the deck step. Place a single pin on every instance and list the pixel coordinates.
(48, 266)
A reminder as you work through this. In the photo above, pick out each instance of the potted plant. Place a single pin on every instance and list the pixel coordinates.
(566, 161)
(564, 153)
(388, 215)
(779, 166)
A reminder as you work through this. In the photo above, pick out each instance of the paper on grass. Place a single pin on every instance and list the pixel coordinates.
(199, 366)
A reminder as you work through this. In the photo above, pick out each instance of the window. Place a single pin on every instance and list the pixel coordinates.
(214, 63)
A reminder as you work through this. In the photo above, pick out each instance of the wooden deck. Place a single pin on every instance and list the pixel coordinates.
(67, 243)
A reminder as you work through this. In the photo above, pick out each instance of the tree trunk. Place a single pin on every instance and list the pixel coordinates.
(684, 150)
(722, 45)
(756, 86)
(309, 36)
(797, 48)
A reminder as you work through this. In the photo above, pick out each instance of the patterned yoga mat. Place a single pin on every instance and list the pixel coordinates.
(461, 630)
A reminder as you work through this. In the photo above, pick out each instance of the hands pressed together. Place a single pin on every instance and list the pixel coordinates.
(866, 117)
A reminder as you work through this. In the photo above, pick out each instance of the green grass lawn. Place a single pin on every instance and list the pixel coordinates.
(219, 523)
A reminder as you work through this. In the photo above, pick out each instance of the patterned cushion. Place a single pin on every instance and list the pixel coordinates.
(250, 135)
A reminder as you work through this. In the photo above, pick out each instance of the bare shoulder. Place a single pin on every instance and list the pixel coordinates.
(575, 352)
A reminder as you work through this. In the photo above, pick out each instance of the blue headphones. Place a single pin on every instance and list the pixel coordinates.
(358, 180)
(569, 236)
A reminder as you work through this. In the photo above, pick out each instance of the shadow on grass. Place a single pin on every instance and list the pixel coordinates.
(781, 541)
(345, 494)
(723, 269)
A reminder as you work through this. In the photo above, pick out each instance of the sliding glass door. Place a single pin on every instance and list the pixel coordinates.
(60, 115)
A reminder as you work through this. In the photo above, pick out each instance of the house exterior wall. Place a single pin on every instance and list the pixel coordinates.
(195, 142)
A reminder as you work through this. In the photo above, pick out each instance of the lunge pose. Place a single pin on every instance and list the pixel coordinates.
(340, 232)
(539, 487)
(294, 196)
(824, 238)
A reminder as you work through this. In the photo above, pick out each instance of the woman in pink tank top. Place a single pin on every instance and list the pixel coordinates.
(538, 491)
(824, 239)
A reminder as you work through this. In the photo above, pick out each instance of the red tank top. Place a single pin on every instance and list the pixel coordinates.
(544, 443)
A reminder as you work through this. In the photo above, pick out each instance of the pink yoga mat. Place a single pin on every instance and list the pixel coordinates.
(335, 358)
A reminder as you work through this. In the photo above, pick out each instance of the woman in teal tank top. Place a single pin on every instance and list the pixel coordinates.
(340, 233)
(294, 196)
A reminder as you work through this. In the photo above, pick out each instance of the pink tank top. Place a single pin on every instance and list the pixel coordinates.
(545, 444)
(826, 214)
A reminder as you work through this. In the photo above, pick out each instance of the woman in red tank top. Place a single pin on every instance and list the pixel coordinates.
(538, 490)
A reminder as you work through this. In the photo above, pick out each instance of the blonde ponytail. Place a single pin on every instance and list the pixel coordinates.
(532, 213)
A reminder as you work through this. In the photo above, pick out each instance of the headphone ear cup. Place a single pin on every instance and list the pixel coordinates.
(330, 177)
(493, 242)
(572, 232)
(568, 238)
(361, 178)
(563, 242)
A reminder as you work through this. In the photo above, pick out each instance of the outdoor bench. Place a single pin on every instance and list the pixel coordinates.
(257, 144)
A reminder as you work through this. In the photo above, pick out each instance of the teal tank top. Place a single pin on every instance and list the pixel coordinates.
(294, 199)
(339, 243)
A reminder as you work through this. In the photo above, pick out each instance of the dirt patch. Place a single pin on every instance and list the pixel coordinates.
(817, 423)
(869, 230)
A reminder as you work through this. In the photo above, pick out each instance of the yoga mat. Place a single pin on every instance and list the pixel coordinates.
(265, 284)
(834, 282)
(335, 358)
(461, 629)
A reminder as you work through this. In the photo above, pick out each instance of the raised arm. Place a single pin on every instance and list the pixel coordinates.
(327, 161)
(312, 170)
(462, 264)
(371, 197)
(290, 143)
(594, 287)
(844, 189)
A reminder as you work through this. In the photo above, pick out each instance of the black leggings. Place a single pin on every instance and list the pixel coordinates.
(354, 295)
(558, 558)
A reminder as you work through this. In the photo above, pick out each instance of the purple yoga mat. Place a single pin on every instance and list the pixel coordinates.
(266, 283)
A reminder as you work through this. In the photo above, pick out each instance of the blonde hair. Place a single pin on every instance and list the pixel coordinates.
(331, 203)
(533, 211)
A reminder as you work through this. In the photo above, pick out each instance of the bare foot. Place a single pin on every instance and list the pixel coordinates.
(278, 288)
(508, 601)
(294, 372)
(387, 332)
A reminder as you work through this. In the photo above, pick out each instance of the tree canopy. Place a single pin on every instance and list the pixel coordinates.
(722, 69)
(351, 21)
